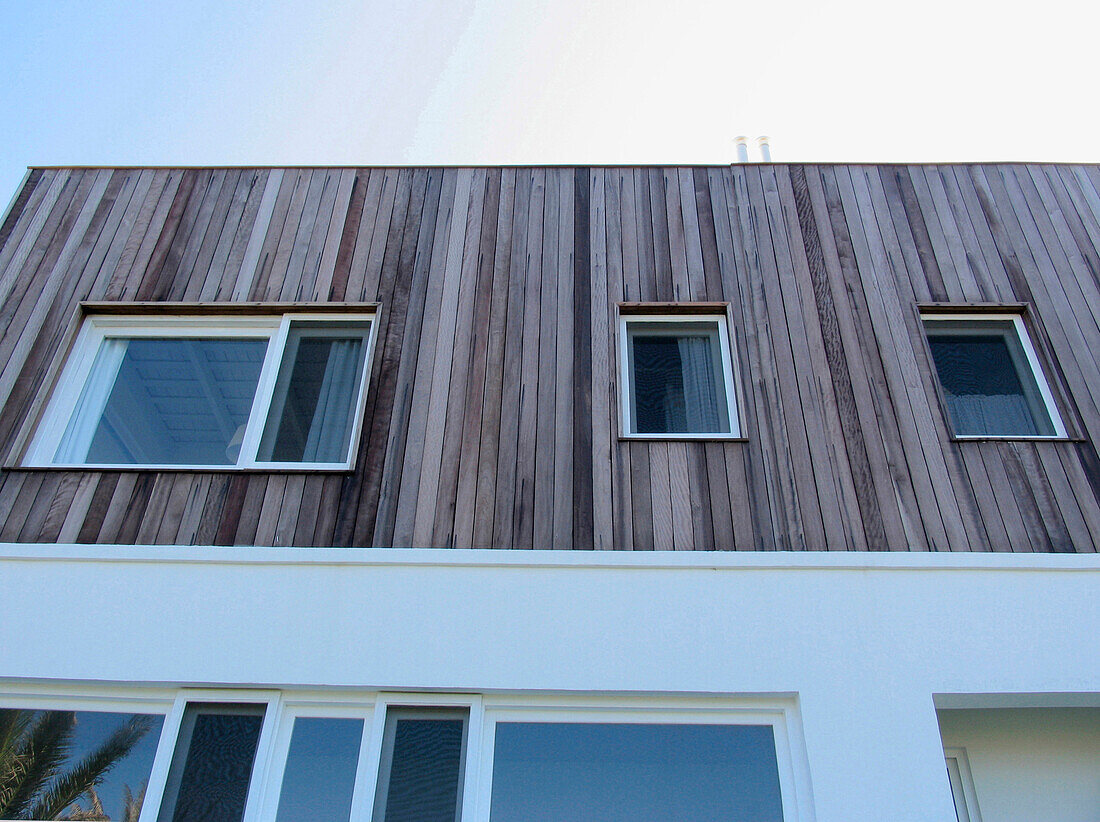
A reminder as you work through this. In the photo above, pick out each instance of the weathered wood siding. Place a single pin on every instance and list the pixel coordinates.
(492, 411)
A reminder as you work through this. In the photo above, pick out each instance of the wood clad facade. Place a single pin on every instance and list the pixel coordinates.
(493, 405)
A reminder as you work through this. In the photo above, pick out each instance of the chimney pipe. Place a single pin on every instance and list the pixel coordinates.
(742, 149)
(765, 149)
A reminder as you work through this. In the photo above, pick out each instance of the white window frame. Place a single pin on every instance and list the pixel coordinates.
(962, 785)
(729, 376)
(274, 328)
(1037, 373)
(293, 709)
(169, 739)
(780, 715)
(282, 708)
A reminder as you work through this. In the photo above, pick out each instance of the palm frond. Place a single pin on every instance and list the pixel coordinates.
(91, 769)
(132, 802)
(37, 756)
(14, 723)
(93, 813)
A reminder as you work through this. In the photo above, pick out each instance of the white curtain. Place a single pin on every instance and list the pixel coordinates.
(991, 414)
(328, 430)
(88, 412)
(700, 391)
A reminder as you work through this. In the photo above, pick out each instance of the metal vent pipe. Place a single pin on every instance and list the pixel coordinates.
(765, 149)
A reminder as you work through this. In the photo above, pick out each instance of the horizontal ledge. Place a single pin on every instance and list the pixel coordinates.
(673, 308)
(307, 471)
(971, 308)
(1013, 438)
(681, 438)
(251, 308)
(532, 558)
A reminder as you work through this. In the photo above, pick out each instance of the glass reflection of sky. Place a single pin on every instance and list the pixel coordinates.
(320, 770)
(594, 772)
(91, 730)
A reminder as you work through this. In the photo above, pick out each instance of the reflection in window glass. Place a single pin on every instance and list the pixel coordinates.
(212, 766)
(421, 769)
(164, 402)
(312, 411)
(596, 772)
(320, 770)
(103, 758)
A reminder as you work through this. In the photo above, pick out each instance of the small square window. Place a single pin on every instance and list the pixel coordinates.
(209, 392)
(677, 377)
(991, 380)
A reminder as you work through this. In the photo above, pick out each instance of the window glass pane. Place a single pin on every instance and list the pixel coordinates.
(312, 412)
(678, 384)
(45, 750)
(421, 771)
(987, 383)
(165, 402)
(596, 772)
(212, 765)
(320, 770)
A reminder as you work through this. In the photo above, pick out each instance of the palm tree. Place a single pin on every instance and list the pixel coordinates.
(36, 781)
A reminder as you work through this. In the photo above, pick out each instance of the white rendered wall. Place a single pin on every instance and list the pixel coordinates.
(864, 642)
(1030, 765)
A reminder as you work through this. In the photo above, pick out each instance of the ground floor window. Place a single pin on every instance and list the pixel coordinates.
(243, 756)
(1023, 764)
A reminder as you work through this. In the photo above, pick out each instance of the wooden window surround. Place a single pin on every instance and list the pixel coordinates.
(203, 387)
(676, 367)
(988, 376)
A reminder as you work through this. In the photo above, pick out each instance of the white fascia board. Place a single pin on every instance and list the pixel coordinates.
(536, 558)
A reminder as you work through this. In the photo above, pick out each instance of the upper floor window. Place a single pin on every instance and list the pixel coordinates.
(677, 377)
(991, 380)
(209, 392)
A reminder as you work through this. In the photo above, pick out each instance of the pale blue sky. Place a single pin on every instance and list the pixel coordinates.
(487, 81)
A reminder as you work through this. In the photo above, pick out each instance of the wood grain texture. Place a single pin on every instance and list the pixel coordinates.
(494, 405)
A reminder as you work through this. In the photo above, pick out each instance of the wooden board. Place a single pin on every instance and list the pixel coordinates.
(493, 410)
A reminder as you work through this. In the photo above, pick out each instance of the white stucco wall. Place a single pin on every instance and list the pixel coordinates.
(863, 642)
(1030, 765)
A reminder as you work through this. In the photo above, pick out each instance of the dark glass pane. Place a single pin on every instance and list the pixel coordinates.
(658, 386)
(320, 770)
(176, 401)
(128, 740)
(312, 411)
(574, 772)
(212, 783)
(678, 386)
(425, 771)
(983, 388)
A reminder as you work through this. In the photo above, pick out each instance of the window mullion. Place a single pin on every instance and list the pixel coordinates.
(271, 789)
(262, 767)
(475, 728)
(370, 757)
(265, 389)
(162, 761)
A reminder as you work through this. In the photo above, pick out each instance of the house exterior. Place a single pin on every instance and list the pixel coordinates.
(752, 492)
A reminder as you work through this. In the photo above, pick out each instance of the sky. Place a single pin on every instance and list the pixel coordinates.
(106, 82)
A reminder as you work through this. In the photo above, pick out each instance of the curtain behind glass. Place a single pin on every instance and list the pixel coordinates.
(675, 384)
(700, 391)
(329, 428)
(74, 444)
(982, 387)
(312, 413)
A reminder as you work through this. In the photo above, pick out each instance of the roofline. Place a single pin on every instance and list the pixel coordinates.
(399, 166)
